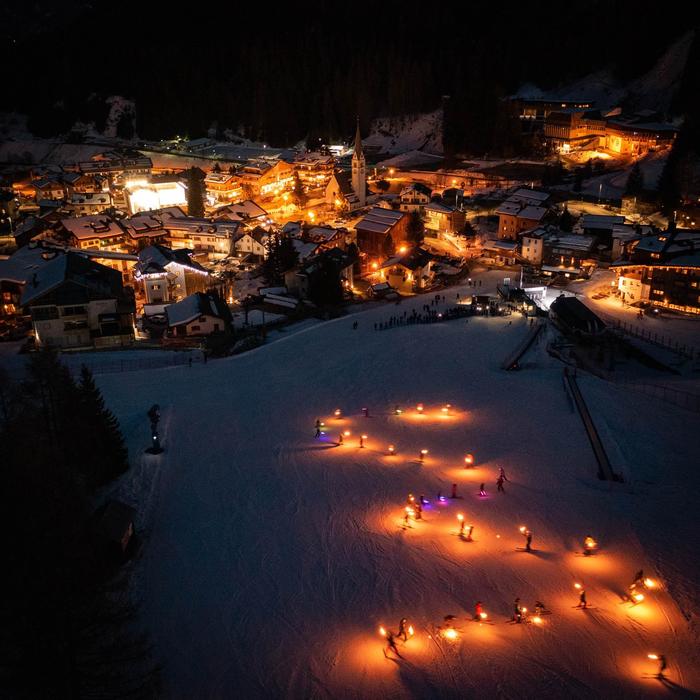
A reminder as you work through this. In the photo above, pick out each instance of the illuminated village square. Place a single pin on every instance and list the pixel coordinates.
(378, 409)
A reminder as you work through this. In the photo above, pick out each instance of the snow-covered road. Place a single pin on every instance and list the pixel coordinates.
(270, 558)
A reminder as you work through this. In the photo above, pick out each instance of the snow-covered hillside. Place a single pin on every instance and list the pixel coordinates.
(271, 558)
(653, 90)
(414, 132)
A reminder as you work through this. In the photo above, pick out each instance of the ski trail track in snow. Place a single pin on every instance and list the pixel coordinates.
(272, 558)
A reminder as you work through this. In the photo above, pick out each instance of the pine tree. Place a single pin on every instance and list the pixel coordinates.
(106, 455)
(195, 192)
(416, 228)
(298, 193)
(388, 247)
(281, 256)
(566, 220)
(635, 181)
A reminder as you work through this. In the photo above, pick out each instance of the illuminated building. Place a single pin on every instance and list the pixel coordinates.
(443, 218)
(147, 196)
(76, 302)
(340, 193)
(314, 169)
(196, 315)
(372, 230)
(570, 129)
(414, 197)
(93, 233)
(409, 272)
(664, 270)
(247, 211)
(223, 188)
(523, 210)
(169, 275)
(260, 178)
(635, 137)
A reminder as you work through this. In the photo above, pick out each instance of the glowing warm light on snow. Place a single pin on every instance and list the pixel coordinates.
(460, 517)
(537, 620)
(649, 583)
(411, 631)
(483, 615)
(577, 586)
(391, 449)
(419, 408)
(450, 633)
(337, 413)
(639, 597)
(522, 529)
(590, 543)
(653, 657)
(469, 460)
(382, 631)
(346, 433)
(403, 249)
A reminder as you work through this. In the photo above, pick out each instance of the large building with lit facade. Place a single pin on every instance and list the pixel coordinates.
(663, 270)
(147, 196)
(261, 178)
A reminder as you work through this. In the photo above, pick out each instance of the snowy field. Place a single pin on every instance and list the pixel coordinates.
(270, 558)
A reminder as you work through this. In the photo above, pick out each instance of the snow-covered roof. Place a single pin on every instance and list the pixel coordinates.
(191, 308)
(155, 258)
(497, 244)
(304, 250)
(82, 271)
(93, 226)
(239, 211)
(322, 233)
(571, 241)
(601, 221)
(379, 220)
(439, 208)
(532, 213)
(23, 263)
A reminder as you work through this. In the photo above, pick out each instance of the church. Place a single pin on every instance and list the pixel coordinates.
(348, 191)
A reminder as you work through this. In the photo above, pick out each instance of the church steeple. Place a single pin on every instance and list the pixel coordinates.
(359, 169)
(358, 140)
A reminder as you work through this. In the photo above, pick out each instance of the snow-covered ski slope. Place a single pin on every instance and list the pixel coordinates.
(270, 558)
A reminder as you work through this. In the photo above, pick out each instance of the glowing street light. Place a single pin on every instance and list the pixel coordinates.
(337, 413)
(446, 409)
(362, 440)
(391, 449)
(422, 454)
(419, 408)
(649, 583)
(450, 633)
(469, 461)
(382, 631)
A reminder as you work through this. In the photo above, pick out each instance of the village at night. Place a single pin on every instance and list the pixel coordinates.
(350, 351)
